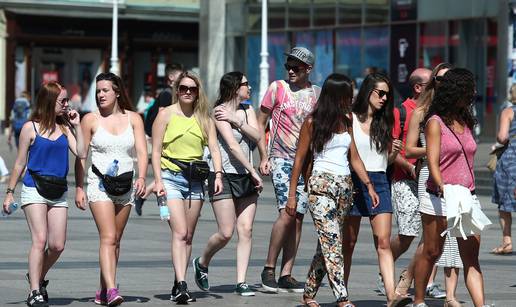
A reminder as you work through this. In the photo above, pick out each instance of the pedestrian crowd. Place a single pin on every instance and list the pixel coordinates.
(329, 152)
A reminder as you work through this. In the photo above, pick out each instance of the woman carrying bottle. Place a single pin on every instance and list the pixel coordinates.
(179, 135)
(372, 127)
(450, 150)
(238, 134)
(45, 139)
(112, 133)
(327, 135)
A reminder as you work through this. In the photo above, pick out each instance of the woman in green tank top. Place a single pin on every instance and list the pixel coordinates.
(181, 132)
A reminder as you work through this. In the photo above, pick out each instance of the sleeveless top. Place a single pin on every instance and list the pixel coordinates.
(454, 168)
(106, 147)
(230, 164)
(373, 161)
(47, 157)
(183, 140)
(334, 157)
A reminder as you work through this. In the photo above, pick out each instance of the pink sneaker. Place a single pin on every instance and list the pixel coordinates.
(113, 297)
(101, 297)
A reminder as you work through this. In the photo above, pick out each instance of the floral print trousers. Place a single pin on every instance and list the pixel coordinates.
(329, 200)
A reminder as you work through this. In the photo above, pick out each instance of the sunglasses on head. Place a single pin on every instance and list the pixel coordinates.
(381, 93)
(244, 83)
(183, 89)
(294, 68)
(438, 78)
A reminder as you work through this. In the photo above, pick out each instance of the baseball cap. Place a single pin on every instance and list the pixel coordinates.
(302, 54)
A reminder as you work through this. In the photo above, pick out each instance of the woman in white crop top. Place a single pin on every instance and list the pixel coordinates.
(327, 134)
(373, 120)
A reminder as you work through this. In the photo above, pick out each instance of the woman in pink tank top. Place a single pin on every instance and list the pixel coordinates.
(450, 150)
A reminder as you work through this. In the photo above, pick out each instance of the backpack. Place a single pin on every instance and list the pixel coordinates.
(153, 112)
(20, 113)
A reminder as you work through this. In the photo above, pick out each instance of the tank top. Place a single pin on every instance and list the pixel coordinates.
(334, 157)
(373, 161)
(230, 164)
(454, 168)
(183, 140)
(106, 147)
(47, 157)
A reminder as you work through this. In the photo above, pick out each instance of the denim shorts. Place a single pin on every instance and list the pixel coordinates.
(30, 195)
(281, 174)
(177, 186)
(362, 205)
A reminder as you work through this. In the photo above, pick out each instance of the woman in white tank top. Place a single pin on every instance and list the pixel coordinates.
(373, 120)
(112, 133)
(327, 135)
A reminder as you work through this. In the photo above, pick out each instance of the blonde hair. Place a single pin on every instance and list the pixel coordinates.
(200, 106)
(512, 95)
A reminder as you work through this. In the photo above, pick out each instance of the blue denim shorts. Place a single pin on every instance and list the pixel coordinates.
(177, 186)
(362, 205)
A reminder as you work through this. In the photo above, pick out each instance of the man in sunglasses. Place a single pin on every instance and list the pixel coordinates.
(286, 103)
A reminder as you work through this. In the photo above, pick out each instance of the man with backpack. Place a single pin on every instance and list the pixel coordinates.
(19, 115)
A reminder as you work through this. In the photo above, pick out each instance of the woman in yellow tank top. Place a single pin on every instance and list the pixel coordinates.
(181, 131)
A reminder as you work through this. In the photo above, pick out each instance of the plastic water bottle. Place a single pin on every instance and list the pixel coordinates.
(12, 207)
(164, 213)
(111, 171)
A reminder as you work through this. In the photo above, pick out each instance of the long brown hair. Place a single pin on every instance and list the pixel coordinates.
(124, 103)
(200, 105)
(428, 94)
(45, 108)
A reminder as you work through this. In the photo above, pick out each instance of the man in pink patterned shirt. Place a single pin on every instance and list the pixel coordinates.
(287, 103)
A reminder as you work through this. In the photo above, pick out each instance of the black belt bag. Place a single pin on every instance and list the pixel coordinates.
(192, 170)
(241, 185)
(50, 187)
(115, 185)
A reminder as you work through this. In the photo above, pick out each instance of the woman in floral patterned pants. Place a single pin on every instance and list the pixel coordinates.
(327, 136)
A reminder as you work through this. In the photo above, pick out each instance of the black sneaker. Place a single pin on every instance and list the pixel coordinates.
(287, 283)
(173, 293)
(183, 295)
(35, 299)
(138, 204)
(269, 280)
(42, 287)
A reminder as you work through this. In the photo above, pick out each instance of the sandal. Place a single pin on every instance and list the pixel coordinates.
(311, 303)
(400, 301)
(403, 285)
(504, 249)
(452, 303)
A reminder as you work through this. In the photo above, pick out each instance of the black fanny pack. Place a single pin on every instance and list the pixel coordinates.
(241, 185)
(193, 170)
(115, 185)
(50, 187)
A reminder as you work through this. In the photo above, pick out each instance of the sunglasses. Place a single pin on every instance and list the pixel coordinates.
(183, 89)
(381, 93)
(294, 68)
(244, 83)
(438, 78)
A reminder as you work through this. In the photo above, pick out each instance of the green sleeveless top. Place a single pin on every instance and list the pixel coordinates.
(183, 140)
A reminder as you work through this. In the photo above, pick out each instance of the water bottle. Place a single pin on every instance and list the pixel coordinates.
(164, 214)
(12, 207)
(111, 171)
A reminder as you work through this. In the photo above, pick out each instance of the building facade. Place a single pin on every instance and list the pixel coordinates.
(70, 41)
(395, 36)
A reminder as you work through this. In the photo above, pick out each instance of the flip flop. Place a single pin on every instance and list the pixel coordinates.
(502, 249)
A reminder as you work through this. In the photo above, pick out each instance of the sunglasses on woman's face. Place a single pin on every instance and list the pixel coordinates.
(381, 93)
(183, 89)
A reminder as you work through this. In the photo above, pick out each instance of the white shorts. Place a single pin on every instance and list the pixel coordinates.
(432, 205)
(29, 195)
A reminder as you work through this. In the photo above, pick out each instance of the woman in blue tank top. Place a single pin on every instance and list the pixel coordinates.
(43, 149)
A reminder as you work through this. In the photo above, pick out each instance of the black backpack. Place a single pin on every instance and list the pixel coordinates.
(153, 112)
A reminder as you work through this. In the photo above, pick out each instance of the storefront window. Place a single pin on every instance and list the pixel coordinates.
(348, 52)
(432, 44)
(350, 11)
(299, 14)
(376, 48)
(323, 56)
(324, 13)
(377, 11)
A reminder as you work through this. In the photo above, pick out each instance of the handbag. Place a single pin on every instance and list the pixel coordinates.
(192, 170)
(495, 155)
(115, 185)
(50, 187)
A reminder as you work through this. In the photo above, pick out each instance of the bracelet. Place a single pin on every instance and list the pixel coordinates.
(9, 190)
(218, 172)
